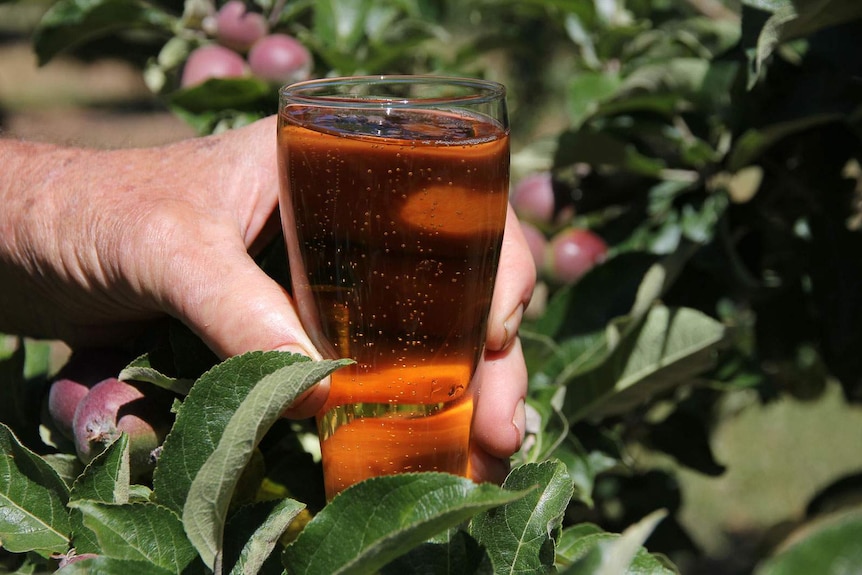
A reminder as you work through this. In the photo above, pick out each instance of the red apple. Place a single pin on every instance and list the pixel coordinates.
(211, 61)
(572, 253)
(279, 58)
(533, 198)
(237, 28)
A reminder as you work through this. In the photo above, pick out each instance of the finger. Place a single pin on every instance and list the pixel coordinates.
(225, 297)
(516, 278)
(499, 416)
(485, 467)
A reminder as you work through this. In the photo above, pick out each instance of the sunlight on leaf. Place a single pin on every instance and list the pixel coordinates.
(33, 514)
(520, 536)
(375, 521)
(205, 510)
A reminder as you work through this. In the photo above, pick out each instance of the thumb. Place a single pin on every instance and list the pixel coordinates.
(234, 307)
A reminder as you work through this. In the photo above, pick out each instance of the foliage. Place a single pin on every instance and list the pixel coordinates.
(717, 151)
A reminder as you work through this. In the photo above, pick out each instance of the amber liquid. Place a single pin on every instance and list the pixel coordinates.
(394, 226)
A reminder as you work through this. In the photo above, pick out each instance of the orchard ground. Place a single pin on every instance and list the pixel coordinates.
(799, 449)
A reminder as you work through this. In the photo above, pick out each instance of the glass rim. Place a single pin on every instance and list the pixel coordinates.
(304, 92)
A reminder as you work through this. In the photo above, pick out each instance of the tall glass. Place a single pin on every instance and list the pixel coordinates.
(393, 201)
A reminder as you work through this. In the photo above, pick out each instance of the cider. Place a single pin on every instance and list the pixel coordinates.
(394, 224)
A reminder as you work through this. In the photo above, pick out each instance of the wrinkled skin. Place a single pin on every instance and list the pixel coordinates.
(96, 244)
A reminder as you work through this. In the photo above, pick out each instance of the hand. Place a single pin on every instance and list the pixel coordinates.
(96, 244)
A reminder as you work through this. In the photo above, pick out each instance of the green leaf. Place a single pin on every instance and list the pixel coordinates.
(139, 532)
(256, 528)
(755, 141)
(67, 466)
(102, 565)
(547, 428)
(587, 91)
(371, 523)
(70, 23)
(33, 497)
(456, 553)
(203, 417)
(584, 467)
(23, 375)
(828, 546)
(140, 369)
(573, 542)
(340, 23)
(694, 79)
(769, 38)
(520, 536)
(771, 6)
(222, 94)
(816, 15)
(105, 479)
(605, 151)
(646, 357)
(800, 19)
(607, 291)
(593, 552)
(205, 509)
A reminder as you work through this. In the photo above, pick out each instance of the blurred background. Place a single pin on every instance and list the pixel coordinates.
(777, 442)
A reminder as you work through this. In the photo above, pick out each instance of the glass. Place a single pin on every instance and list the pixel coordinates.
(393, 200)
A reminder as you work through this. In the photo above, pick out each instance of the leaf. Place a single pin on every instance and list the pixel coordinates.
(587, 91)
(340, 23)
(829, 546)
(546, 429)
(592, 552)
(584, 467)
(665, 349)
(455, 554)
(769, 38)
(817, 15)
(69, 23)
(755, 141)
(23, 381)
(67, 466)
(102, 565)
(205, 509)
(520, 536)
(139, 532)
(694, 79)
(141, 369)
(571, 546)
(33, 497)
(603, 150)
(372, 522)
(257, 528)
(800, 19)
(221, 94)
(607, 291)
(105, 479)
(767, 5)
(202, 418)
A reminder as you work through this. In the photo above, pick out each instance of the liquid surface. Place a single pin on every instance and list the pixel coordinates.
(394, 239)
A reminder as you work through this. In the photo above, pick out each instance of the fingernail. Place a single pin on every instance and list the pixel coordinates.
(519, 420)
(510, 326)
